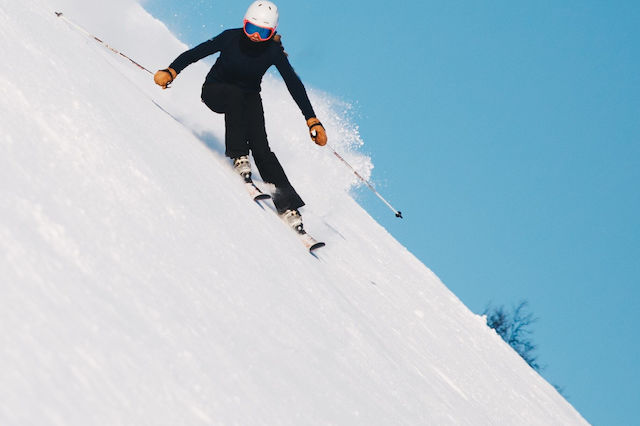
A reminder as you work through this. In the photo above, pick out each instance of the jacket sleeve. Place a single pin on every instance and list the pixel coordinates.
(294, 84)
(202, 50)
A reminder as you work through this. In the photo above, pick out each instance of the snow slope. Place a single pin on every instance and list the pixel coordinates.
(139, 285)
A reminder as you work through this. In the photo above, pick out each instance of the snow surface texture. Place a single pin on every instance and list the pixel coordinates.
(139, 285)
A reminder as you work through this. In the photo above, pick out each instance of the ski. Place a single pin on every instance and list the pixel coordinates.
(254, 191)
(309, 242)
(294, 221)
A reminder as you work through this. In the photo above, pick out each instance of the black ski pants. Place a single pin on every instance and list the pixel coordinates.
(245, 131)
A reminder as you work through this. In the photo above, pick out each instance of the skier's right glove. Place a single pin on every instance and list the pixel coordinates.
(317, 132)
(165, 77)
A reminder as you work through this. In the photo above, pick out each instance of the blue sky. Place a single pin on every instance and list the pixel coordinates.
(508, 133)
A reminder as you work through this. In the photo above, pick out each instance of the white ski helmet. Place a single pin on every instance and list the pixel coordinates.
(262, 13)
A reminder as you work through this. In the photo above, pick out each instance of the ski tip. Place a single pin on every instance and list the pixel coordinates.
(316, 246)
(261, 197)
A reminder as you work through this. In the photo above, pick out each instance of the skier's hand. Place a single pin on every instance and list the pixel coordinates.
(317, 132)
(165, 77)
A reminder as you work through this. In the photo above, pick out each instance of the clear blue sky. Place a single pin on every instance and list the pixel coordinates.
(508, 133)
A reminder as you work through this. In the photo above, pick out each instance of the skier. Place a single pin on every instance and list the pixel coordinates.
(232, 88)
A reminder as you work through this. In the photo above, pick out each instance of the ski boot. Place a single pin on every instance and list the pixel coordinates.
(294, 220)
(243, 167)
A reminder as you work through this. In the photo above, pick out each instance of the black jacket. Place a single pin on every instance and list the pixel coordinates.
(243, 62)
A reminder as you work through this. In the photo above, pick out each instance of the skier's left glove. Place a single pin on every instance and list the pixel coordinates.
(165, 77)
(317, 132)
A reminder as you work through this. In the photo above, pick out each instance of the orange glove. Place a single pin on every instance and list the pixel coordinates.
(165, 77)
(317, 132)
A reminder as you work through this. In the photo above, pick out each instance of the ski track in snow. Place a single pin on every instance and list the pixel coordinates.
(140, 285)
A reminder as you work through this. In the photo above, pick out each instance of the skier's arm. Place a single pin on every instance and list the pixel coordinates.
(202, 50)
(294, 84)
(166, 76)
(299, 94)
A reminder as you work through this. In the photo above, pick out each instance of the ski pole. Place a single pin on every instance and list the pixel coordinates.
(88, 34)
(397, 212)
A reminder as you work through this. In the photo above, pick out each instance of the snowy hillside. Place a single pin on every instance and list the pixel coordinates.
(139, 285)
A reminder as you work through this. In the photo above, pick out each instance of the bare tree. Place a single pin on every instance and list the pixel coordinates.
(515, 328)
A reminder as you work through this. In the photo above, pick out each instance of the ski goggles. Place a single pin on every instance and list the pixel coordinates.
(264, 33)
